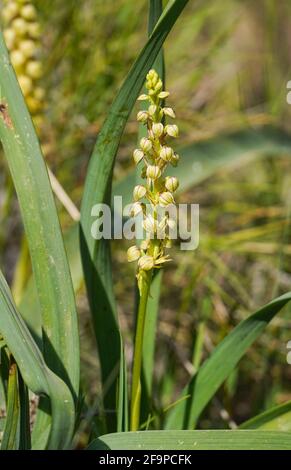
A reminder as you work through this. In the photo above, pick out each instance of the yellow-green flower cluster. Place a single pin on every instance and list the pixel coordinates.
(22, 36)
(154, 155)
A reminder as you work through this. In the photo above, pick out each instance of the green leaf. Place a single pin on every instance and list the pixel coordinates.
(122, 411)
(35, 373)
(194, 440)
(38, 210)
(24, 421)
(155, 12)
(10, 431)
(96, 254)
(222, 361)
(29, 306)
(277, 418)
(149, 341)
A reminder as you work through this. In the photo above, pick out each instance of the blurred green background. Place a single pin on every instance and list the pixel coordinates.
(227, 67)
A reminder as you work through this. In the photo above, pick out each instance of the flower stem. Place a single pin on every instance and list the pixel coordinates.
(137, 359)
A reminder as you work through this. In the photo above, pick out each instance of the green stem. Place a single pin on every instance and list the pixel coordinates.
(137, 359)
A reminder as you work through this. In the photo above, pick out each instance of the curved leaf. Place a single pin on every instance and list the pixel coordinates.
(38, 210)
(38, 377)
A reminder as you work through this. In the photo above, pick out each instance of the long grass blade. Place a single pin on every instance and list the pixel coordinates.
(194, 440)
(24, 420)
(9, 439)
(277, 418)
(213, 372)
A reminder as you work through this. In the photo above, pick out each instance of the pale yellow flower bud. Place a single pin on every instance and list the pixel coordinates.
(25, 84)
(20, 26)
(171, 183)
(169, 112)
(146, 144)
(166, 199)
(139, 192)
(10, 11)
(136, 209)
(34, 69)
(133, 253)
(39, 93)
(28, 12)
(150, 224)
(152, 110)
(145, 244)
(142, 116)
(157, 129)
(153, 172)
(159, 85)
(34, 30)
(149, 85)
(10, 38)
(138, 156)
(28, 47)
(146, 263)
(172, 130)
(166, 153)
(143, 97)
(17, 59)
(162, 226)
(152, 76)
(163, 95)
(171, 223)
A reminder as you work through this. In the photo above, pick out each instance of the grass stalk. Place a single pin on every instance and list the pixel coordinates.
(138, 348)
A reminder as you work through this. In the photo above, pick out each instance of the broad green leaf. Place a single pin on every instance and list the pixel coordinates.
(194, 440)
(213, 372)
(35, 373)
(96, 254)
(39, 215)
(29, 306)
(277, 418)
